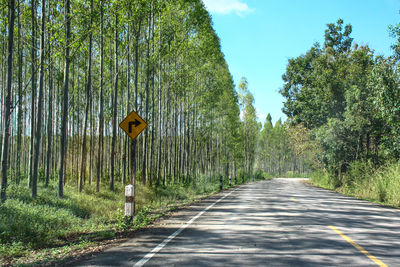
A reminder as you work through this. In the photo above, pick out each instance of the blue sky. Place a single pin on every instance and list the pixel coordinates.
(259, 36)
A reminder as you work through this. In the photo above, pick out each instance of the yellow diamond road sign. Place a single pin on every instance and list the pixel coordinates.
(133, 124)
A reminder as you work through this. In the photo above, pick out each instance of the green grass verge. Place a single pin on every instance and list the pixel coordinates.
(363, 181)
(48, 228)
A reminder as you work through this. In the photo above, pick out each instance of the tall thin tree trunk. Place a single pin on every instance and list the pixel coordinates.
(20, 100)
(40, 103)
(158, 173)
(114, 120)
(92, 145)
(145, 141)
(128, 95)
(82, 176)
(33, 85)
(64, 122)
(153, 122)
(101, 100)
(134, 153)
(11, 19)
(50, 126)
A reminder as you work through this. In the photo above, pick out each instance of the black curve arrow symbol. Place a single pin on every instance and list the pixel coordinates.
(136, 123)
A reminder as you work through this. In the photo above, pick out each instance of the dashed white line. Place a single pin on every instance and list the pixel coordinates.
(160, 246)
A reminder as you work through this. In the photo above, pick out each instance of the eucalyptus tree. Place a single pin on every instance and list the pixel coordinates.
(101, 100)
(88, 90)
(251, 127)
(20, 96)
(64, 122)
(40, 101)
(10, 53)
(33, 87)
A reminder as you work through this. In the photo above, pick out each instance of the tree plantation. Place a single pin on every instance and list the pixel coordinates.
(78, 67)
(72, 70)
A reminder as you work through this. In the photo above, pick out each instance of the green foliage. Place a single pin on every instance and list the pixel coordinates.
(346, 102)
(262, 175)
(35, 224)
(394, 31)
(385, 82)
(358, 172)
(281, 149)
(250, 128)
(323, 179)
(364, 181)
(338, 38)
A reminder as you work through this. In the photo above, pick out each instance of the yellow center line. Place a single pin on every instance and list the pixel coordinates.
(295, 200)
(360, 248)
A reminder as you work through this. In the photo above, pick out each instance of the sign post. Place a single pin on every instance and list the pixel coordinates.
(129, 201)
(133, 125)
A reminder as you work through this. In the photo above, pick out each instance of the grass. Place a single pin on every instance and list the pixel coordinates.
(363, 181)
(48, 228)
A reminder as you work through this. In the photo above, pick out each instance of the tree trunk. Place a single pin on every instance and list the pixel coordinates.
(145, 141)
(33, 85)
(40, 103)
(11, 19)
(114, 119)
(152, 108)
(367, 145)
(64, 120)
(158, 173)
(82, 176)
(20, 100)
(49, 126)
(136, 73)
(101, 100)
(128, 77)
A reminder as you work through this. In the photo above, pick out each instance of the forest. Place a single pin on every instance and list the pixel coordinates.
(345, 101)
(75, 70)
(70, 71)
(80, 67)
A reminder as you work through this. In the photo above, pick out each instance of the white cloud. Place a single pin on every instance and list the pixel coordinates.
(227, 6)
(261, 116)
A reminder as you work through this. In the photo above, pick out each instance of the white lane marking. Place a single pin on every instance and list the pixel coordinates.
(176, 233)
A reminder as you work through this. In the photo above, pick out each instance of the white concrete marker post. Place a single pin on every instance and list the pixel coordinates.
(129, 201)
(230, 180)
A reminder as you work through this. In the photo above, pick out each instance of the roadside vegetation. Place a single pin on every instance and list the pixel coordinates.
(47, 228)
(380, 185)
(342, 103)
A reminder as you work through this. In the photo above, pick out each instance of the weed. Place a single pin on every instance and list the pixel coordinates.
(364, 181)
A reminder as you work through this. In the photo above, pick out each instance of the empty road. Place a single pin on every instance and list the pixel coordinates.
(281, 222)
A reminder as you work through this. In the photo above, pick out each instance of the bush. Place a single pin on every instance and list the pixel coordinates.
(322, 179)
(364, 181)
(386, 184)
(357, 173)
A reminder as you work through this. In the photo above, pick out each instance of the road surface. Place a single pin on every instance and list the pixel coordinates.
(281, 222)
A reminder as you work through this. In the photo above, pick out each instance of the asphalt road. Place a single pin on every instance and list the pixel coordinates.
(282, 222)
